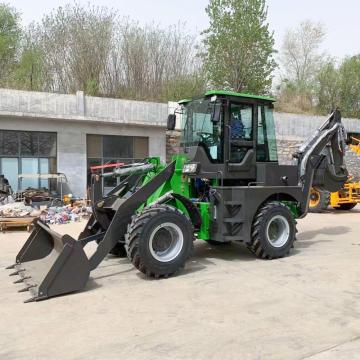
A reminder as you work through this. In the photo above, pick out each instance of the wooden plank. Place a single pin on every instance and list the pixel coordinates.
(7, 225)
(12, 219)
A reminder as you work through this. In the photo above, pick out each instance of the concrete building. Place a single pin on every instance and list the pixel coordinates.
(48, 133)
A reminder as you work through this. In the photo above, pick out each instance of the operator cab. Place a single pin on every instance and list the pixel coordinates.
(231, 136)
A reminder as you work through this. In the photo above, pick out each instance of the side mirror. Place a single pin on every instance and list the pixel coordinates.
(171, 122)
(215, 116)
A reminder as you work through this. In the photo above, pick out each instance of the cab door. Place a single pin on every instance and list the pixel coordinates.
(241, 135)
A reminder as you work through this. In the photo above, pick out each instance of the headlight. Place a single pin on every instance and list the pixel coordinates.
(190, 168)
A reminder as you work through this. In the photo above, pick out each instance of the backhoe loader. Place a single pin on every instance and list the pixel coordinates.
(224, 185)
(344, 199)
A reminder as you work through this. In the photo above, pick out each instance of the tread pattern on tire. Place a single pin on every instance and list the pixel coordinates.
(255, 246)
(134, 232)
(323, 203)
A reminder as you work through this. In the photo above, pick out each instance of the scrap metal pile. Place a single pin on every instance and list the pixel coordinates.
(5, 190)
(30, 194)
(65, 214)
(31, 203)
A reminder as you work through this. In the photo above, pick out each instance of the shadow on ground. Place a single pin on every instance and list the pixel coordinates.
(330, 230)
(205, 253)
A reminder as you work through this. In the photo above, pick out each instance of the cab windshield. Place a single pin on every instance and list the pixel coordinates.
(199, 130)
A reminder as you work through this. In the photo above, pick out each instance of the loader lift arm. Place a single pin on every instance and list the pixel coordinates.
(67, 266)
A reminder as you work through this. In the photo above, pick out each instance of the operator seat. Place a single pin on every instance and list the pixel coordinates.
(237, 132)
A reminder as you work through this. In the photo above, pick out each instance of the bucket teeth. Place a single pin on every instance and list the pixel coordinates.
(30, 300)
(16, 272)
(11, 266)
(56, 263)
(27, 288)
(21, 280)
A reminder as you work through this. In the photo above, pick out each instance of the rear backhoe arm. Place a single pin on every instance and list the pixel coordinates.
(321, 159)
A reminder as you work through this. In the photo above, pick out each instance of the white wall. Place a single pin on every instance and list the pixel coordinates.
(71, 142)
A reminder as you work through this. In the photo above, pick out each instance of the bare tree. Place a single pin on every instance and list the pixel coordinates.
(145, 59)
(93, 49)
(76, 43)
(301, 57)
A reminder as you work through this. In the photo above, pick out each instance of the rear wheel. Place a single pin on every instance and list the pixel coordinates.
(319, 200)
(348, 206)
(273, 231)
(159, 241)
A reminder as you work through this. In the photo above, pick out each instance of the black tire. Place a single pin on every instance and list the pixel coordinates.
(119, 250)
(148, 226)
(349, 206)
(280, 218)
(319, 200)
(218, 243)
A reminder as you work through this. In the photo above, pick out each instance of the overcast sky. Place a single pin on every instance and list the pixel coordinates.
(341, 19)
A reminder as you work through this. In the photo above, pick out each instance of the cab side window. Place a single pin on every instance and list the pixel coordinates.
(266, 149)
(240, 131)
(241, 122)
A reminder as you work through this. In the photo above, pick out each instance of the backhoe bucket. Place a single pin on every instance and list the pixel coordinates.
(50, 264)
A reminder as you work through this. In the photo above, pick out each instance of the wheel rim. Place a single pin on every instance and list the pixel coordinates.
(278, 231)
(314, 198)
(166, 242)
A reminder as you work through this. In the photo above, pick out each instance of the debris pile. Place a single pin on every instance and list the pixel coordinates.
(30, 194)
(65, 214)
(5, 190)
(6, 199)
(17, 209)
(49, 215)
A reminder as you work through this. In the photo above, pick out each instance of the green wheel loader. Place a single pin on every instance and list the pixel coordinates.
(224, 185)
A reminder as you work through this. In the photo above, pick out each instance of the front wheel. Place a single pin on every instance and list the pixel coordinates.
(273, 231)
(159, 241)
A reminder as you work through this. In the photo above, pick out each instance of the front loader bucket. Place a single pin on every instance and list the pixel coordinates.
(50, 264)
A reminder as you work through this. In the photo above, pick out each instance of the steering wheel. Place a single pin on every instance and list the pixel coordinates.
(207, 138)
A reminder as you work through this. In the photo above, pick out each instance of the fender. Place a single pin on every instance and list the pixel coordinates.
(192, 210)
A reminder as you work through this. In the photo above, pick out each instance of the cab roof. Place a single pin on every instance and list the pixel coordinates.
(231, 93)
(244, 95)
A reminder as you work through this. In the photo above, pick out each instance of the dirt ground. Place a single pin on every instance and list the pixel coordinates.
(226, 304)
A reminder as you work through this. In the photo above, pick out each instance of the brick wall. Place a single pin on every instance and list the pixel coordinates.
(172, 143)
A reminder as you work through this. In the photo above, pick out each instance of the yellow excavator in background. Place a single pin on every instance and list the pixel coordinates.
(344, 199)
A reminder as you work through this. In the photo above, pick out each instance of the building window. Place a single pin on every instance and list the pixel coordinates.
(106, 149)
(27, 152)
